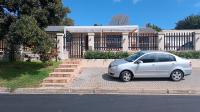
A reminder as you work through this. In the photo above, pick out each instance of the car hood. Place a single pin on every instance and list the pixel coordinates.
(118, 62)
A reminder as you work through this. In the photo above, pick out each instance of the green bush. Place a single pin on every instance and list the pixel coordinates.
(119, 55)
(105, 55)
(188, 54)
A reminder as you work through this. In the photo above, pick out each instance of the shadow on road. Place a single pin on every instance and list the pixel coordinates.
(109, 78)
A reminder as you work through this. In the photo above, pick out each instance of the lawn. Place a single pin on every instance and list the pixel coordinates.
(24, 74)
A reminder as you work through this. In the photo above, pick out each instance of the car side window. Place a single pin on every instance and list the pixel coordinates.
(165, 58)
(149, 58)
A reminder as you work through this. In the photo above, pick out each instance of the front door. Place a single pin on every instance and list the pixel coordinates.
(148, 66)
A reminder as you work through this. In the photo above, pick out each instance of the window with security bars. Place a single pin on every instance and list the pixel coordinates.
(108, 41)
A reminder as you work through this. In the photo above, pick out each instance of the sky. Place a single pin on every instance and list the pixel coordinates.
(164, 13)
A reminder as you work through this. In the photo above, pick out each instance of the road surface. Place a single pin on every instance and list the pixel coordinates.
(98, 103)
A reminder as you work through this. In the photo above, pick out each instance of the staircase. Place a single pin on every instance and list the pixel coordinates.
(63, 74)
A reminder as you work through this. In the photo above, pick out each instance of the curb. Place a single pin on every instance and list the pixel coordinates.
(4, 90)
(104, 91)
(40, 91)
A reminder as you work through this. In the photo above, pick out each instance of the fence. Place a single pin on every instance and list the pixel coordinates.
(2, 45)
(108, 41)
(179, 41)
(143, 41)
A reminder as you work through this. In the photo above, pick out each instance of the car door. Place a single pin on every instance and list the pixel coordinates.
(165, 62)
(147, 68)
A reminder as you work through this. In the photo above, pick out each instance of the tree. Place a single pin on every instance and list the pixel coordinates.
(25, 20)
(153, 26)
(26, 32)
(120, 20)
(190, 22)
(46, 12)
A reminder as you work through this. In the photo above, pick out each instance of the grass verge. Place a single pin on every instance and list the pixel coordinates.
(24, 74)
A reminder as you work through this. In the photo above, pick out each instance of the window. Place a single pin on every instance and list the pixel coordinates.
(114, 41)
(134, 56)
(149, 58)
(165, 58)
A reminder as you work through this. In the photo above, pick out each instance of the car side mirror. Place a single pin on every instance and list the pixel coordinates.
(139, 62)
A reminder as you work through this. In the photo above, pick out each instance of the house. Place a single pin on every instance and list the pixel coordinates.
(73, 41)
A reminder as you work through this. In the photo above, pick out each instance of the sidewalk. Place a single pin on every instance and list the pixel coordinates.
(94, 80)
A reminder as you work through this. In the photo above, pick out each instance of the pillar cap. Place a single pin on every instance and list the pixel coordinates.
(91, 34)
(60, 34)
(125, 33)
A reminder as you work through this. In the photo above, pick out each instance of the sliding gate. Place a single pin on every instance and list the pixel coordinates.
(76, 44)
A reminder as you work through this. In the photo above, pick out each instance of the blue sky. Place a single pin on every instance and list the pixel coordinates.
(164, 13)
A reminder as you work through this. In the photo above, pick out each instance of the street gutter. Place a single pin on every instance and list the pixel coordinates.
(103, 91)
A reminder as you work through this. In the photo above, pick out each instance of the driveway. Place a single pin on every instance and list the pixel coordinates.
(97, 78)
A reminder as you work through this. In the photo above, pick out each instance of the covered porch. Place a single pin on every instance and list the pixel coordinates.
(77, 39)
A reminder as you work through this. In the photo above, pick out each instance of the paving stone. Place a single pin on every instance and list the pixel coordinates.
(96, 78)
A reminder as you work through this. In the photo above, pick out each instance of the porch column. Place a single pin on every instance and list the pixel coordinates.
(161, 41)
(125, 41)
(91, 41)
(60, 44)
(197, 40)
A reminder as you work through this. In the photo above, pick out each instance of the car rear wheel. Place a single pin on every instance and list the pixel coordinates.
(177, 75)
(126, 76)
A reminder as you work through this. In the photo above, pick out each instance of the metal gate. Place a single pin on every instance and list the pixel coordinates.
(76, 44)
(179, 41)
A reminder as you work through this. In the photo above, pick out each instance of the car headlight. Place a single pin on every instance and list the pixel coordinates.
(112, 65)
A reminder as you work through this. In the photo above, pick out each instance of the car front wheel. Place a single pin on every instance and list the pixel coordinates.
(177, 75)
(126, 76)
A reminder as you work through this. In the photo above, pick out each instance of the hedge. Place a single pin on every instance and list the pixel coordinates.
(119, 55)
(188, 54)
(105, 55)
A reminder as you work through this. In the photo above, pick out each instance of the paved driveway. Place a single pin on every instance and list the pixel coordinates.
(96, 78)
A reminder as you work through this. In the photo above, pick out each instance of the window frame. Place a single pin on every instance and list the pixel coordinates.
(170, 57)
(146, 55)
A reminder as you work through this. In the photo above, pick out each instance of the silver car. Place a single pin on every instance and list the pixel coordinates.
(150, 64)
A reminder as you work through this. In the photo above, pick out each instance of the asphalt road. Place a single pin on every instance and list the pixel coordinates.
(98, 103)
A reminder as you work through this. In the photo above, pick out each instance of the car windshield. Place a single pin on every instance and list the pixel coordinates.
(134, 56)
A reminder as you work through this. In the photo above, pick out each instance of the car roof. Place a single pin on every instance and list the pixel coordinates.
(145, 52)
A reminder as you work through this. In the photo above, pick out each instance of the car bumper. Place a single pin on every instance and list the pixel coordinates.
(112, 71)
(187, 71)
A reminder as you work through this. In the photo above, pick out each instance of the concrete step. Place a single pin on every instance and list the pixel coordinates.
(64, 70)
(60, 74)
(71, 62)
(53, 85)
(56, 80)
(68, 66)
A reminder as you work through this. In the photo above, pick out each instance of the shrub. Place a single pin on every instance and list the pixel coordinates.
(188, 54)
(105, 55)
